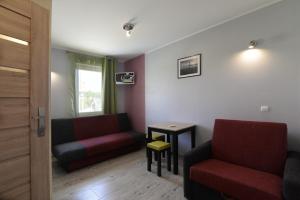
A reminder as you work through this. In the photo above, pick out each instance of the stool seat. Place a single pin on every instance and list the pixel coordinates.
(158, 145)
(156, 136)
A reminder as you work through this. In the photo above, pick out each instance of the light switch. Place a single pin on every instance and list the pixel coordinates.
(264, 108)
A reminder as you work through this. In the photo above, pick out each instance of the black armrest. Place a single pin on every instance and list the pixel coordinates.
(196, 155)
(291, 176)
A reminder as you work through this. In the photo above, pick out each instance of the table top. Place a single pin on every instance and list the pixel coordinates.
(172, 126)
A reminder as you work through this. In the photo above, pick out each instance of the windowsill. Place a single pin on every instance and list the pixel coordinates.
(90, 114)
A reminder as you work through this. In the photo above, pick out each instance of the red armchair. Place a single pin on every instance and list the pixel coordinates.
(245, 160)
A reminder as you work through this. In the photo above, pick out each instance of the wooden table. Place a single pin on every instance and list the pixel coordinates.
(174, 129)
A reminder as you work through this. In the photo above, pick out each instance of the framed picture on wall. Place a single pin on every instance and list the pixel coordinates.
(124, 78)
(189, 66)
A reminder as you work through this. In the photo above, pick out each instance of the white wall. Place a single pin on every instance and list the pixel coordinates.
(234, 82)
(59, 84)
(60, 102)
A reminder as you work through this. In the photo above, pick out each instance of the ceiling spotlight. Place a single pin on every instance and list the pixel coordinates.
(252, 44)
(128, 27)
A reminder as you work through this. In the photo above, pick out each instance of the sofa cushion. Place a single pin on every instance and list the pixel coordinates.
(62, 131)
(107, 143)
(124, 122)
(237, 181)
(257, 145)
(69, 151)
(82, 149)
(89, 127)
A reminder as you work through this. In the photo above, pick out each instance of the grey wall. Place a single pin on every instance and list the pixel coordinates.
(234, 82)
(60, 103)
(120, 92)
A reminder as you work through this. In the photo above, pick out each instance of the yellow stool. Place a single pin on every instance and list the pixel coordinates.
(158, 147)
(156, 137)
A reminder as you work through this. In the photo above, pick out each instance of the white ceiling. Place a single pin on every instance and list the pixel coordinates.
(95, 26)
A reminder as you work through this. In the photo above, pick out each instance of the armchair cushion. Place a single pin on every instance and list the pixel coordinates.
(291, 178)
(257, 145)
(237, 181)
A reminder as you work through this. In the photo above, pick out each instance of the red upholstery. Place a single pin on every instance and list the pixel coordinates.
(237, 181)
(106, 143)
(88, 127)
(257, 145)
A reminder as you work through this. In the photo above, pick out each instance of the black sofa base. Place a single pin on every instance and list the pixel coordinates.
(198, 191)
(78, 164)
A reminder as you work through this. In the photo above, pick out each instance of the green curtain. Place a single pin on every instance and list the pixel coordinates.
(71, 79)
(109, 86)
(108, 68)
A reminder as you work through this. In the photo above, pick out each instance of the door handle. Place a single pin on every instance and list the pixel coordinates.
(41, 121)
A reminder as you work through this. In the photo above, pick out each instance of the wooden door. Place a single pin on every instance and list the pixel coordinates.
(24, 87)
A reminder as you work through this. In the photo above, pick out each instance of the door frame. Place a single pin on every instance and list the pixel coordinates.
(39, 98)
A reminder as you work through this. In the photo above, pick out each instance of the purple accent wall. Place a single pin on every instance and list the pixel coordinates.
(135, 94)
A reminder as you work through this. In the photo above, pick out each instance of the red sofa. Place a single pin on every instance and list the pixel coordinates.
(83, 141)
(245, 160)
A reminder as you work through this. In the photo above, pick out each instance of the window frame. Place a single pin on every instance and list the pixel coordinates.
(86, 67)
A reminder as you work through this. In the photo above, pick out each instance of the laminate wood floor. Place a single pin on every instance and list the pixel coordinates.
(121, 178)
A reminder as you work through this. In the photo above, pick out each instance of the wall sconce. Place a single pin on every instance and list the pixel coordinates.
(128, 27)
(54, 77)
(252, 44)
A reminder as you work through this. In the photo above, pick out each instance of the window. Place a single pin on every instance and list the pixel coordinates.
(88, 89)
